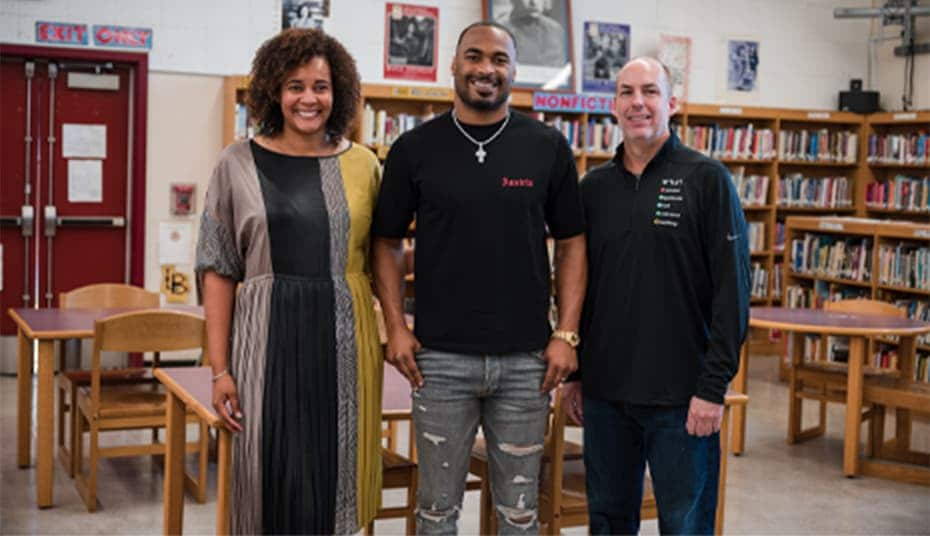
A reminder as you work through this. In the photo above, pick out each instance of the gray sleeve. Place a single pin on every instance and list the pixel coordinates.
(217, 248)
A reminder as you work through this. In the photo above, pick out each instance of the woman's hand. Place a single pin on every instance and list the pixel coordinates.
(226, 402)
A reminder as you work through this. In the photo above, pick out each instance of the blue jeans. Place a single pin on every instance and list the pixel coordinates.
(619, 439)
(501, 392)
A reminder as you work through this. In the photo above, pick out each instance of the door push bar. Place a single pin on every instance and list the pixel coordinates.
(25, 221)
(53, 221)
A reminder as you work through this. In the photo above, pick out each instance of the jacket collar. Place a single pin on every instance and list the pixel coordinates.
(670, 145)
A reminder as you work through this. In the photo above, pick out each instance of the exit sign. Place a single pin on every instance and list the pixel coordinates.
(61, 33)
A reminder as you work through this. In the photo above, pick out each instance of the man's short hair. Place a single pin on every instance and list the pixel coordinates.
(665, 69)
(488, 23)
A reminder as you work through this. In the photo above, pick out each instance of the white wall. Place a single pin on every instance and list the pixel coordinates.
(806, 56)
(889, 69)
(185, 127)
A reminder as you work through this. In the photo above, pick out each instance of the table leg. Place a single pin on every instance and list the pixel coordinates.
(222, 481)
(722, 475)
(854, 378)
(740, 385)
(907, 355)
(23, 400)
(174, 465)
(45, 424)
(795, 406)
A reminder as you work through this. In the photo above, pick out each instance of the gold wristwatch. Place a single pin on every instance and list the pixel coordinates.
(571, 337)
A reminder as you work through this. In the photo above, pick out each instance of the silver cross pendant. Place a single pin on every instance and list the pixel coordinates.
(480, 154)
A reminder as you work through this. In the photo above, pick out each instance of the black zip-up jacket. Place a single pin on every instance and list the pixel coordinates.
(667, 304)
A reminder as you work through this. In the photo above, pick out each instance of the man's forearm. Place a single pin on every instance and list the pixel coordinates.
(387, 262)
(571, 279)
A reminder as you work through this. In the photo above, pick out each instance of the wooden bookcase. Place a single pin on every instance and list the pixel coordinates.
(876, 233)
(234, 89)
(884, 171)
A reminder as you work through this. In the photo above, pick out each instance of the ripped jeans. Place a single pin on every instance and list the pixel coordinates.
(501, 392)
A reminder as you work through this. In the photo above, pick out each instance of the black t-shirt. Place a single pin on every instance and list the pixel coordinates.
(482, 270)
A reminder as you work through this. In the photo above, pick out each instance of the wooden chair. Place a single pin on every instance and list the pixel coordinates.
(103, 295)
(398, 472)
(894, 458)
(101, 407)
(825, 382)
(562, 496)
(478, 466)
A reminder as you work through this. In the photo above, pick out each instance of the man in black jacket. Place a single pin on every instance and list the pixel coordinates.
(665, 313)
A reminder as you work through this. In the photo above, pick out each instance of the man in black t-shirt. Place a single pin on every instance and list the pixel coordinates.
(484, 184)
(666, 310)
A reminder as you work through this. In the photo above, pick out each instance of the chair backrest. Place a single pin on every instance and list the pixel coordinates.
(107, 295)
(874, 307)
(554, 488)
(554, 453)
(153, 330)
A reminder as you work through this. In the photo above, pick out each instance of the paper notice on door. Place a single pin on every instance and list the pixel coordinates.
(174, 242)
(85, 181)
(83, 141)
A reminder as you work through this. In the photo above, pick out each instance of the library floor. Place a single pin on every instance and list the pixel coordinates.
(772, 489)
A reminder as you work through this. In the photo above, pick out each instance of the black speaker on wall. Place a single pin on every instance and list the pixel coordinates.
(856, 100)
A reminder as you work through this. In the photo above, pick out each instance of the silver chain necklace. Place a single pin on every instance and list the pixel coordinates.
(480, 153)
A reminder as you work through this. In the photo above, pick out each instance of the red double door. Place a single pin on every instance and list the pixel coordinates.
(69, 163)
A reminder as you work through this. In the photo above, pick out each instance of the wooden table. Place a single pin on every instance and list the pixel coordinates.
(47, 326)
(192, 387)
(858, 327)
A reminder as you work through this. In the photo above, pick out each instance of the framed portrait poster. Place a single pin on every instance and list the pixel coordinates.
(410, 36)
(303, 13)
(606, 50)
(742, 65)
(675, 53)
(543, 33)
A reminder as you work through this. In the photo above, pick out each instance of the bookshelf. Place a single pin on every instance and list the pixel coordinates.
(408, 106)
(831, 258)
(235, 119)
(896, 164)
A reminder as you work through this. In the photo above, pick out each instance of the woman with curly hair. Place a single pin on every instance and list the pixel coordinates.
(287, 214)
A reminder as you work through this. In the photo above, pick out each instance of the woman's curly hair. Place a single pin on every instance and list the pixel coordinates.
(288, 50)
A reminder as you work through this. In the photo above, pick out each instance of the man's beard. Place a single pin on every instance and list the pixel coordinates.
(480, 104)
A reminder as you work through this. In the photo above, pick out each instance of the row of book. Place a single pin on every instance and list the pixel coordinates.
(746, 142)
(760, 281)
(753, 189)
(797, 190)
(836, 350)
(571, 129)
(900, 193)
(922, 370)
(912, 148)
(756, 236)
(379, 128)
(603, 135)
(822, 145)
(884, 357)
(777, 280)
(832, 256)
(904, 265)
(802, 297)
(242, 130)
(813, 295)
(917, 310)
